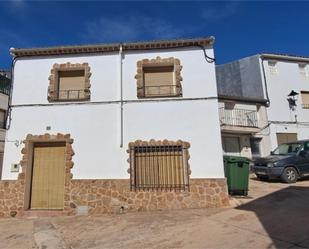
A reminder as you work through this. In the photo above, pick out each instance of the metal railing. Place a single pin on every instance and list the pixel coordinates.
(161, 91)
(238, 117)
(159, 168)
(71, 94)
(5, 85)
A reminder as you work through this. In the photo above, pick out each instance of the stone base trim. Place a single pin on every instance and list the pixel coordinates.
(114, 196)
(11, 198)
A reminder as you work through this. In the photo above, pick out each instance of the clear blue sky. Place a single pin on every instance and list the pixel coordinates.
(241, 28)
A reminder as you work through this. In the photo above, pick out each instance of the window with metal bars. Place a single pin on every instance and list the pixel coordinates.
(159, 167)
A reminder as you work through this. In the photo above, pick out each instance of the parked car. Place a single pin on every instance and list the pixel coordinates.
(289, 162)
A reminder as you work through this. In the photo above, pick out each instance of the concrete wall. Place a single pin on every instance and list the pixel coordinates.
(240, 78)
(95, 127)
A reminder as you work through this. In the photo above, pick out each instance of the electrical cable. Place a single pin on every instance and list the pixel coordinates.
(207, 58)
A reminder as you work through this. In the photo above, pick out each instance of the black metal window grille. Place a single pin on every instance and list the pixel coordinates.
(159, 168)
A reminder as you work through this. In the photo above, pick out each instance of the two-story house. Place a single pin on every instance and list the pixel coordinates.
(263, 102)
(139, 120)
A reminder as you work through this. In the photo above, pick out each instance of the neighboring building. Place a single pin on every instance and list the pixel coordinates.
(279, 83)
(131, 112)
(5, 84)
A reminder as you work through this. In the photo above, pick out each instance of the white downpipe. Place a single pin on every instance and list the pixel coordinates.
(121, 96)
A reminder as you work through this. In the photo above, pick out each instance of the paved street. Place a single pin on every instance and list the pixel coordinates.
(274, 215)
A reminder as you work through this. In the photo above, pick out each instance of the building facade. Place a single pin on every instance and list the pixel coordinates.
(115, 127)
(275, 87)
(5, 84)
(288, 114)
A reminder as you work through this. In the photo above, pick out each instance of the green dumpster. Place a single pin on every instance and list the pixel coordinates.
(236, 170)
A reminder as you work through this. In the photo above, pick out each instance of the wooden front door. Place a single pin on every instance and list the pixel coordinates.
(48, 173)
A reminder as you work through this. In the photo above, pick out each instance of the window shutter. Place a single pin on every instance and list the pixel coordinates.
(71, 84)
(159, 81)
(305, 99)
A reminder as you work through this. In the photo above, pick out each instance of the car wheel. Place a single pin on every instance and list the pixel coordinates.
(289, 175)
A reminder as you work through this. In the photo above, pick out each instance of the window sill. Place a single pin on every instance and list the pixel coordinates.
(68, 100)
(159, 97)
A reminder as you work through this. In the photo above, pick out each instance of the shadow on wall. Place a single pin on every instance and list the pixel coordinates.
(284, 215)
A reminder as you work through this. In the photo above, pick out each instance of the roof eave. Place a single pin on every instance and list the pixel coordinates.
(284, 57)
(101, 48)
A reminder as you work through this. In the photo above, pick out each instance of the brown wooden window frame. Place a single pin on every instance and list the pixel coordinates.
(158, 62)
(159, 165)
(53, 88)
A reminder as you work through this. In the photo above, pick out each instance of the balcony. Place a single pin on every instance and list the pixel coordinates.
(161, 91)
(238, 120)
(71, 95)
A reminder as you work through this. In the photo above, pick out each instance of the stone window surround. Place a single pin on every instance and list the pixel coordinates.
(158, 62)
(54, 79)
(152, 142)
(27, 164)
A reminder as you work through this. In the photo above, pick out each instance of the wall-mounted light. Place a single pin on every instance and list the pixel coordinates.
(292, 99)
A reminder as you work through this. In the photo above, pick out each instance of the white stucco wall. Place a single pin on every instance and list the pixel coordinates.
(95, 128)
(279, 85)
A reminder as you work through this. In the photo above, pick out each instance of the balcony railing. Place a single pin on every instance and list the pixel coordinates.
(161, 91)
(238, 117)
(71, 94)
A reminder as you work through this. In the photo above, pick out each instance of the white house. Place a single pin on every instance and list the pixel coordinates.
(139, 121)
(288, 115)
(264, 101)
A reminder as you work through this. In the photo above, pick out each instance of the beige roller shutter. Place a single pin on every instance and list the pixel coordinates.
(159, 167)
(71, 84)
(47, 190)
(305, 99)
(159, 80)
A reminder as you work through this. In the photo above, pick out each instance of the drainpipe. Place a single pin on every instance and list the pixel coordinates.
(8, 118)
(121, 96)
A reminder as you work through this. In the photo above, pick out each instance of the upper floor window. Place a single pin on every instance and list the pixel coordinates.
(273, 67)
(303, 70)
(69, 82)
(159, 78)
(305, 99)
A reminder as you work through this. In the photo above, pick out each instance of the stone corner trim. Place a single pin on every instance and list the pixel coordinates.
(54, 77)
(158, 62)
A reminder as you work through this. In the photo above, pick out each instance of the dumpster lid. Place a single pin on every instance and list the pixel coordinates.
(236, 159)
